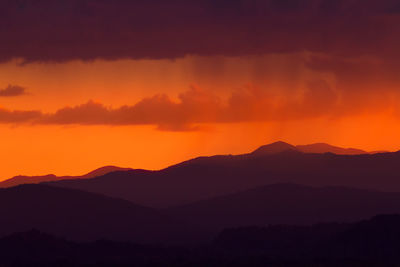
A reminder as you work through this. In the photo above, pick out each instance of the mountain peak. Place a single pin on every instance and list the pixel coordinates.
(273, 148)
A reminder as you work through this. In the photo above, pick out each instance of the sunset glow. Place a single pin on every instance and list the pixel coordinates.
(143, 108)
(280, 106)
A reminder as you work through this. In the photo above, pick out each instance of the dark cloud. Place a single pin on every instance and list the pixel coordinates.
(12, 90)
(62, 30)
(18, 116)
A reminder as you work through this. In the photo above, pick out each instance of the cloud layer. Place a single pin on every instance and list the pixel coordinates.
(12, 90)
(63, 30)
(193, 108)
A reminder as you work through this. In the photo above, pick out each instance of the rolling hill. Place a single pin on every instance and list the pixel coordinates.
(287, 204)
(79, 215)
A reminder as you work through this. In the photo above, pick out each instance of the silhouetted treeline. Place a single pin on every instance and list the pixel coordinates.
(374, 242)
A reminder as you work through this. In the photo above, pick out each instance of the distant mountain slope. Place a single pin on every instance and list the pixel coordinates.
(79, 215)
(208, 177)
(17, 180)
(102, 171)
(319, 148)
(325, 148)
(372, 242)
(274, 148)
(287, 204)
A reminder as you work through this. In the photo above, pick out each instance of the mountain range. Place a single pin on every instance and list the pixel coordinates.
(267, 149)
(193, 200)
(207, 177)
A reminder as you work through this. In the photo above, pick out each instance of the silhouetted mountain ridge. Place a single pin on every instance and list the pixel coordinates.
(208, 177)
(280, 146)
(326, 148)
(21, 179)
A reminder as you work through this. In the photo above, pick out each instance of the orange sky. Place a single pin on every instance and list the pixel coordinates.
(281, 98)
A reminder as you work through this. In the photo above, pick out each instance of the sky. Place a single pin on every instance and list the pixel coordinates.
(150, 83)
